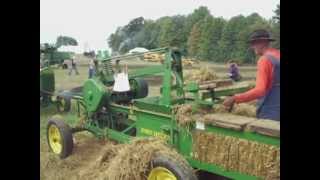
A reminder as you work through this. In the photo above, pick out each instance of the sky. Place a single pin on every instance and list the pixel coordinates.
(91, 22)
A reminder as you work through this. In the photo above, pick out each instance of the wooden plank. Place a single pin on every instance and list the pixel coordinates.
(265, 127)
(228, 120)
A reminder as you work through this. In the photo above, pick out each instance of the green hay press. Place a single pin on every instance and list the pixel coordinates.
(123, 116)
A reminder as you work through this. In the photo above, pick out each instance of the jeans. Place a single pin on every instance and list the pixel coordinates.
(91, 73)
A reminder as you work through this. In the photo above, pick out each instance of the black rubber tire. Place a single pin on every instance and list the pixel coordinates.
(142, 89)
(64, 66)
(63, 103)
(180, 169)
(66, 134)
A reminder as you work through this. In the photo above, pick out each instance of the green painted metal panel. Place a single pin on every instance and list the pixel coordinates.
(152, 104)
(166, 85)
(47, 80)
(152, 125)
(220, 171)
(118, 136)
(93, 94)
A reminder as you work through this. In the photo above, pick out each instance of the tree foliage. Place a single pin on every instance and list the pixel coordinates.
(276, 27)
(199, 34)
(65, 41)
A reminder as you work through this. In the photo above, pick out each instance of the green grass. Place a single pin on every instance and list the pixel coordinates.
(51, 111)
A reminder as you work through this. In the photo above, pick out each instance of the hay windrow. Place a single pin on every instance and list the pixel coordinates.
(129, 161)
(236, 154)
(201, 75)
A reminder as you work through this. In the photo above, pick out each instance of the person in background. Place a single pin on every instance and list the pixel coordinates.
(92, 69)
(267, 89)
(73, 66)
(234, 72)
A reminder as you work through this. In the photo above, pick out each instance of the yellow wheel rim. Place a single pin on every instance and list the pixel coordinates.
(161, 173)
(55, 139)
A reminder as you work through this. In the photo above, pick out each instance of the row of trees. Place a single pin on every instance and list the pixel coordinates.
(199, 34)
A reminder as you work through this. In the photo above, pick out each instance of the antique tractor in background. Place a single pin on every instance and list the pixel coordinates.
(48, 58)
(125, 115)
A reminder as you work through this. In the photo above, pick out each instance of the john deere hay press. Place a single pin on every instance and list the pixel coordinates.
(228, 145)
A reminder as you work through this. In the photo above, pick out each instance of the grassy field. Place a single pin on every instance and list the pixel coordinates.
(87, 148)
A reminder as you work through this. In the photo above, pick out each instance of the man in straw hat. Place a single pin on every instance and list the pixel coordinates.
(267, 89)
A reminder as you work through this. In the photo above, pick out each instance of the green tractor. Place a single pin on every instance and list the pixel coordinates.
(51, 54)
(47, 80)
(133, 114)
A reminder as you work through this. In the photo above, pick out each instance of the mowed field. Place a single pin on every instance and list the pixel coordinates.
(88, 149)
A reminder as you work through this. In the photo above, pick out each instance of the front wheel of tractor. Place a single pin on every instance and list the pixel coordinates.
(59, 137)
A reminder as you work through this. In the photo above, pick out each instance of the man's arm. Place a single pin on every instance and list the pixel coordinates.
(263, 82)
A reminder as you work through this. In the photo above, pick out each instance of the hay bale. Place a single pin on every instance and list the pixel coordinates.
(236, 154)
(187, 62)
(153, 57)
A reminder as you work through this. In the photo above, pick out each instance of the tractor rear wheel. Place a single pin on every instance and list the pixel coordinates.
(59, 138)
(63, 103)
(164, 167)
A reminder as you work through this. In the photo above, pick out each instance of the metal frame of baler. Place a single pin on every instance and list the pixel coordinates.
(166, 94)
(180, 138)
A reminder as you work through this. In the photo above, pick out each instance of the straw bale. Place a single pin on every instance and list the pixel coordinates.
(234, 154)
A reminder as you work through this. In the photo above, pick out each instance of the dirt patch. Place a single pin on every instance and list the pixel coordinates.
(86, 150)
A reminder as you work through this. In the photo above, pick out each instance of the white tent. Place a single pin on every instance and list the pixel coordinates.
(138, 50)
(69, 49)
